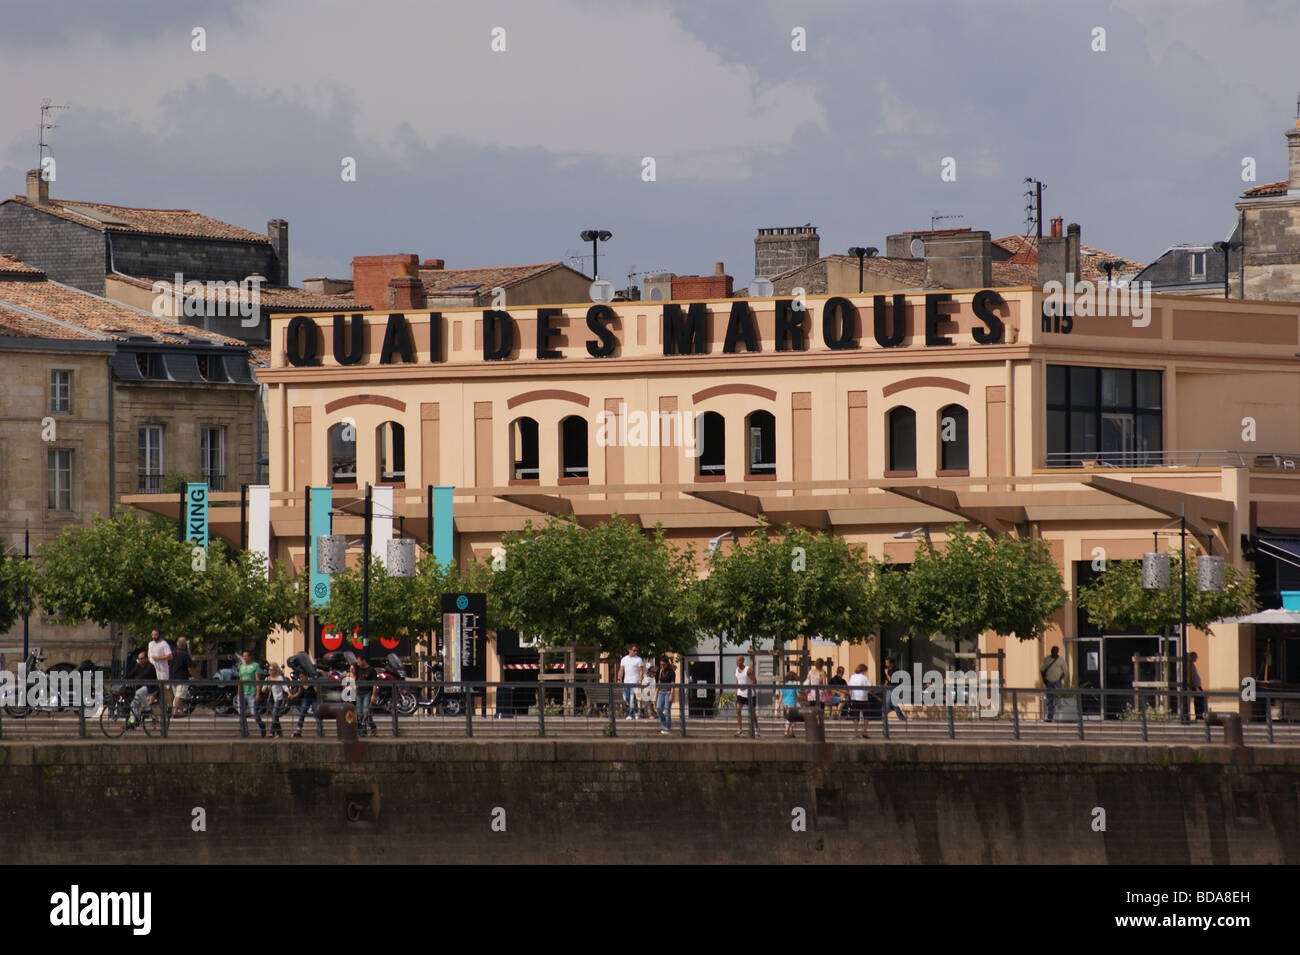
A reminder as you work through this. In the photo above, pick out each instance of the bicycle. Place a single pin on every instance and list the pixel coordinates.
(115, 719)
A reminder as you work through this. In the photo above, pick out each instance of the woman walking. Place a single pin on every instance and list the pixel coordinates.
(816, 678)
(665, 677)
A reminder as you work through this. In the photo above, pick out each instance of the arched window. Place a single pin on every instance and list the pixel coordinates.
(711, 443)
(573, 447)
(523, 450)
(343, 453)
(390, 453)
(954, 443)
(760, 442)
(902, 439)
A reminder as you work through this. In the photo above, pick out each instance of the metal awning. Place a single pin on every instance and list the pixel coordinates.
(1285, 549)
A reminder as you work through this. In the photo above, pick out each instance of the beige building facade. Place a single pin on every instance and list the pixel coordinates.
(865, 415)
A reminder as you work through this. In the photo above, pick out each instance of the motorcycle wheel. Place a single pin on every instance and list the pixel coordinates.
(407, 704)
(451, 707)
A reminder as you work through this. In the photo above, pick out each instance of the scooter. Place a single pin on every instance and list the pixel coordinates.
(390, 676)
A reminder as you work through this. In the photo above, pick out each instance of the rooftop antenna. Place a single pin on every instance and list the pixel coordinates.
(1034, 206)
(938, 218)
(45, 126)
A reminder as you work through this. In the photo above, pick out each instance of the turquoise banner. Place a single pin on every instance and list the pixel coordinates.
(196, 514)
(322, 502)
(444, 540)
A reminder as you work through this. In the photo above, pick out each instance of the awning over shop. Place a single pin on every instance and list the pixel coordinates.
(1275, 617)
(1285, 549)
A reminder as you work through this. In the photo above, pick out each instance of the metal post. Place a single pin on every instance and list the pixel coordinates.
(365, 576)
(1268, 716)
(428, 513)
(753, 729)
(81, 714)
(393, 697)
(1186, 681)
(613, 725)
(1078, 711)
(952, 726)
(1015, 716)
(681, 698)
(467, 701)
(315, 712)
(243, 517)
(884, 713)
(165, 711)
(27, 555)
(1143, 711)
(1206, 721)
(180, 517)
(541, 704)
(242, 702)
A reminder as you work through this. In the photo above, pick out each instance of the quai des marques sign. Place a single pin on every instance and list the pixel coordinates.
(685, 330)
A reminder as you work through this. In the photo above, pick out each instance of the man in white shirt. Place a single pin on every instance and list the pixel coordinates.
(630, 670)
(160, 655)
(858, 697)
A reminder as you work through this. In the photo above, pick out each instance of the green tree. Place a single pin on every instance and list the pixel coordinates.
(772, 588)
(609, 586)
(17, 587)
(1117, 602)
(1006, 584)
(400, 607)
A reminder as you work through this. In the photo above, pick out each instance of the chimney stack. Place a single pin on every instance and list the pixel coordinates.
(405, 293)
(961, 260)
(1293, 158)
(1056, 227)
(1072, 260)
(277, 230)
(437, 264)
(371, 275)
(38, 188)
(718, 269)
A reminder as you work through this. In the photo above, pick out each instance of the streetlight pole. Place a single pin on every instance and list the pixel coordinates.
(862, 253)
(27, 555)
(593, 236)
(1182, 535)
(365, 573)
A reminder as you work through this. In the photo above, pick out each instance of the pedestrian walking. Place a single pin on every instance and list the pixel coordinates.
(665, 677)
(250, 675)
(1052, 671)
(366, 695)
(160, 655)
(1194, 681)
(887, 703)
(857, 702)
(817, 678)
(840, 697)
(789, 696)
(275, 686)
(630, 669)
(745, 692)
(302, 694)
(182, 668)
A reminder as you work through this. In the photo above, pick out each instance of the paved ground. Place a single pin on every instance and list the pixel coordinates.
(204, 725)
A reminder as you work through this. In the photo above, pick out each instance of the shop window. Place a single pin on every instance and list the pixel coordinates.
(390, 453)
(711, 436)
(523, 450)
(902, 439)
(1108, 415)
(954, 441)
(573, 447)
(343, 453)
(760, 438)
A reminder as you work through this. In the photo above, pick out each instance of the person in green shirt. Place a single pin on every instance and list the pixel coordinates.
(249, 675)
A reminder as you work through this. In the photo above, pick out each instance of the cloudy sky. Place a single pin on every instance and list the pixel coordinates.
(484, 157)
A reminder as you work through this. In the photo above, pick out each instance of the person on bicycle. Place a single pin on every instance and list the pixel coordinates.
(143, 671)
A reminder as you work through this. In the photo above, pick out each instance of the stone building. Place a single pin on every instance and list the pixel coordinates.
(403, 282)
(102, 400)
(1266, 261)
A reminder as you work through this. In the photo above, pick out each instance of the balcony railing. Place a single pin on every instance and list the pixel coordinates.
(215, 482)
(1268, 460)
(151, 483)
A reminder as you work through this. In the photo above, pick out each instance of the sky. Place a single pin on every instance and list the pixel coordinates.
(756, 113)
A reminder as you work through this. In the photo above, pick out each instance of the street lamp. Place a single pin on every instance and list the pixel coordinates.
(923, 530)
(716, 542)
(593, 236)
(862, 253)
(1225, 247)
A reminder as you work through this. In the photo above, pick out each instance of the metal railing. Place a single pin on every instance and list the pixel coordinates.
(1268, 460)
(709, 710)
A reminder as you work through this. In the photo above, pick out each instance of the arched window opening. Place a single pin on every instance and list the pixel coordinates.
(573, 447)
(343, 453)
(954, 443)
(523, 450)
(902, 439)
(390, 453)
(760, 435)
(711, 443)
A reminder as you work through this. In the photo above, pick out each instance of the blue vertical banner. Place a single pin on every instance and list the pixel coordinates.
(322, 502)
(196, 514)
(444, 546)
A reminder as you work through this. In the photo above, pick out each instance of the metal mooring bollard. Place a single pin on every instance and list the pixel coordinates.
(811, 718)
(345, 719)
(1231, 723)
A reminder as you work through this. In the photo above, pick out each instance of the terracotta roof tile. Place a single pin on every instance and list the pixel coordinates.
(11, 266)
(16, 324)
(1024, 251)
(273, 297)
(105, 218)
(96, 314)
(445, 281)
(1266, 189)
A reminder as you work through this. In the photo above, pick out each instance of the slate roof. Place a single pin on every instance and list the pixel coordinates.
(272, 297)
(459, 282)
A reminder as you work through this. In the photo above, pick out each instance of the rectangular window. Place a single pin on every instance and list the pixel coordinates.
(1108, 415)
(151, 459)
(212, 451)
(1197, 260)
(59, 466)
(60, 392)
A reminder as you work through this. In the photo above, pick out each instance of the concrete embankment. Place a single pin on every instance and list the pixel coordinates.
(313, 801)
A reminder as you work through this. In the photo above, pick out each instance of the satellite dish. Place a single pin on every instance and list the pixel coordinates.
(602, 290)
(917, 249)
(760, 288)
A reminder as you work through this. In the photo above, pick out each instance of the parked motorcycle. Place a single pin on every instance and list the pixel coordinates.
(441, 701)
(391, 675)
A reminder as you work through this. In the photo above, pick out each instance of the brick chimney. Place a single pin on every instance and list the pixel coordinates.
(371, 275)
(38, 189)
(405, 292)
(277, 230)
(717, 285)
(436, 264)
